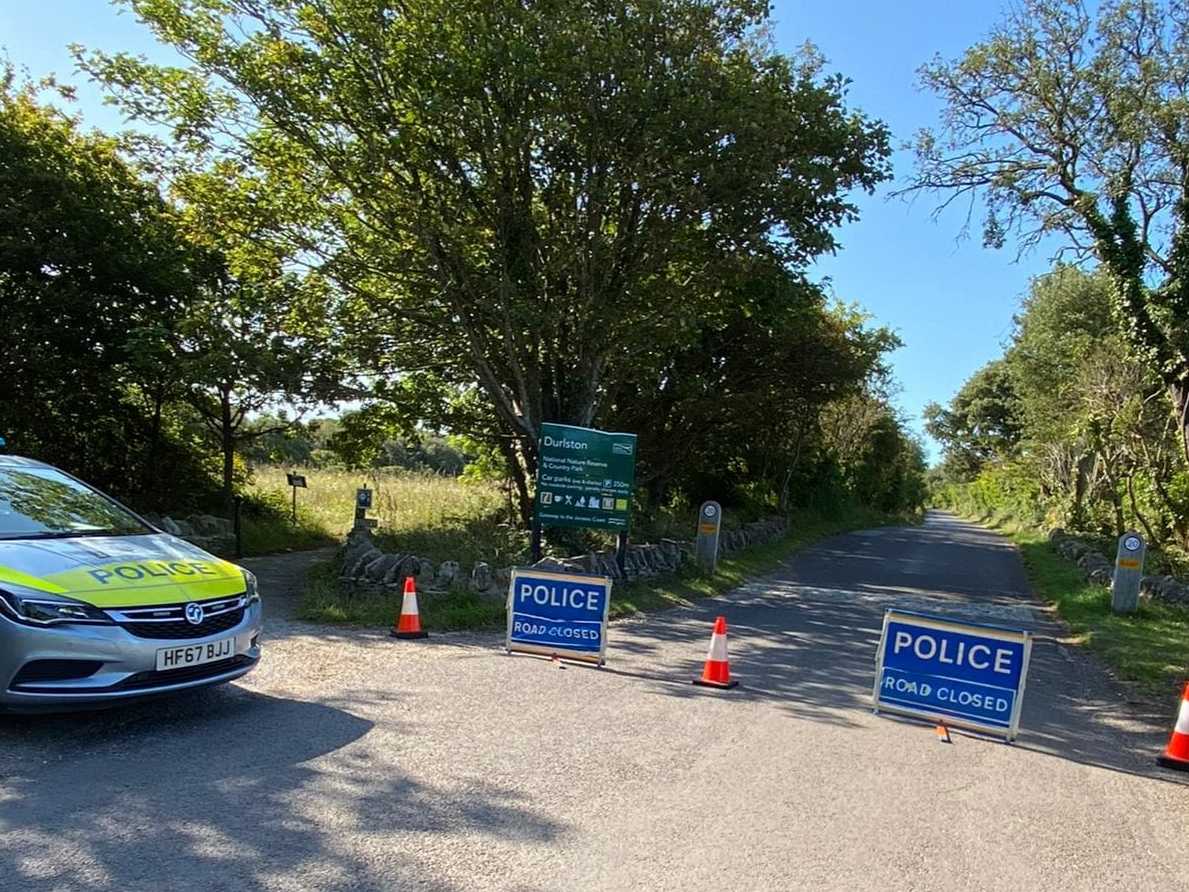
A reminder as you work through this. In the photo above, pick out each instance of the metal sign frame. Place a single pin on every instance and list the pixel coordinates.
(561, 653)
(925, 620)
(297, 480)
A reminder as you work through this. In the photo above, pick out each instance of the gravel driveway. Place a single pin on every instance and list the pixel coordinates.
(349, 760)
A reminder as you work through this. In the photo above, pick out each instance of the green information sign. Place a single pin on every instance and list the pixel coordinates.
(585, 478)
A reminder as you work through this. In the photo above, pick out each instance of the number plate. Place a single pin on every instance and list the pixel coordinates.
(195, 654)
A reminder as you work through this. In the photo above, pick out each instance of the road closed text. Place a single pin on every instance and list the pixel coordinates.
(529, 627)
(948, 694)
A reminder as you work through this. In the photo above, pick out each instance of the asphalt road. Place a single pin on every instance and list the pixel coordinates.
(352, 761)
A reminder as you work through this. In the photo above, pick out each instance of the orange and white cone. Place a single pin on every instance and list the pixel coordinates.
(1176, 754)
(408, 624)
(717, 673)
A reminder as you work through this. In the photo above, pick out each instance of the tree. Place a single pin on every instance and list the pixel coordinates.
(92, 278)
(520, 199)
(1063, 320)
(238, 356)
(1095, 420)
(740, 404)
(1078, 126)
(889, 474)
(125, 305)
(285, 443)
(981, 422)
(1093, 442)
(880, 464)
(253, 335)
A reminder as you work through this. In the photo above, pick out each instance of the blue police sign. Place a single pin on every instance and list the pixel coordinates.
(558, 614)
(960, 673)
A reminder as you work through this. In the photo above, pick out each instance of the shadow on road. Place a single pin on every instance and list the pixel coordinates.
(220, 790)
(1072, 711)
(805, 640)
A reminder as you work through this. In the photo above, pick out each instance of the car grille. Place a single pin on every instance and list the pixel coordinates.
(180, 676)
(183, 629)
(169, 621)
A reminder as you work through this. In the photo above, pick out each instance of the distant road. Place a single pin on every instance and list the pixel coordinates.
(351, 761)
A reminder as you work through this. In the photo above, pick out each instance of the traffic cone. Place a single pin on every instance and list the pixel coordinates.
(408, 624)
(717, 673)
(1176, 754)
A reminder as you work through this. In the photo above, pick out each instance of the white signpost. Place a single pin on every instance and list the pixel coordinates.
(1129, 569)
(709, 526)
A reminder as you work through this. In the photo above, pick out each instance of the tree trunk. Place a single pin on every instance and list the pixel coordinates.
(155, 445)
(1077, 515)
(227, 439)
(1153, 539)
(784, 490)
(1117, 503)
(1112, 488)
(1178, 392)
(788, 474)
(519, 478)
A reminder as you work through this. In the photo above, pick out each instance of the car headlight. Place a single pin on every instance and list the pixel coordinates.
(251, 588)
(42, 610)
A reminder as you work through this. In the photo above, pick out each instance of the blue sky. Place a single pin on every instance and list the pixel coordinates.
(950, 301)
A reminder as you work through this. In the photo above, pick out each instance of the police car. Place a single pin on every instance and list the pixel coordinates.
(97, 607)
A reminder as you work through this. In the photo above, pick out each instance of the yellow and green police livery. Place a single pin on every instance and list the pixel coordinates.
(183, 572)
(98, 607)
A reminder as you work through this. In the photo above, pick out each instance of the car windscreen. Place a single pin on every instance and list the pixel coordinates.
(42, 503)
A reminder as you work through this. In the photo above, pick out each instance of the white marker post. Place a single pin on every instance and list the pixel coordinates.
(709, 526)
(1129, 569)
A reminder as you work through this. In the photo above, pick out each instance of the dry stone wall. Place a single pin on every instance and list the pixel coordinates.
(1097, 568)
(211, 533)
(368, 569)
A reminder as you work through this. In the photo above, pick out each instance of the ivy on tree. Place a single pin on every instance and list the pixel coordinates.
(1077, 125)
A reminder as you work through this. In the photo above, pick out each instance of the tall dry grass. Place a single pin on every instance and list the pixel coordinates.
(442, 518)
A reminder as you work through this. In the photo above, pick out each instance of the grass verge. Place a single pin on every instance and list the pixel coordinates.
(272, 535)
(323, 601)
(1149, 648)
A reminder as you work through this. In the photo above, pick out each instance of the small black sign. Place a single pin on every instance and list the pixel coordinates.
(363, 498)
(297, 480)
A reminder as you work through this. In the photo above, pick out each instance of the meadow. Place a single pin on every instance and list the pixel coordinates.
(442, 518)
